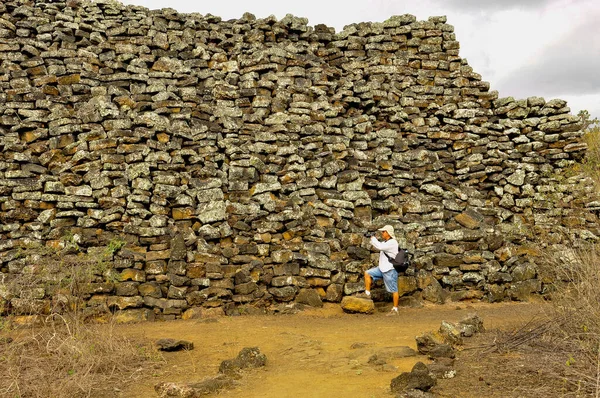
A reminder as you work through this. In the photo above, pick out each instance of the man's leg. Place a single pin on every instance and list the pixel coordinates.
(371, 275)
(391, 284)
(368, 281)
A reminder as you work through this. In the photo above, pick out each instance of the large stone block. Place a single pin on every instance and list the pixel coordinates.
(151, 289)
(406, 285)
(134, 315)
(496, 293)
(131, 274)
(211, 212)
(122, 303)
(309, 297)
(334, 293)
(523, 291)
(358, 305)
(447, 260)
(417, 379)
(434, 292)
(318, 260)
(353, 287)
(523, 272)
(469, 219)
(286, 293)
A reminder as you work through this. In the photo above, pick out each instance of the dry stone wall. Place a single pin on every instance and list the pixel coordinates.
(235, 164)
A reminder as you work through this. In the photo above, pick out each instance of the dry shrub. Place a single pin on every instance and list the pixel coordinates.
(67, 358)
(573, 341)
(591, 162)
(58, 354)
(556, 354)
(507, 364)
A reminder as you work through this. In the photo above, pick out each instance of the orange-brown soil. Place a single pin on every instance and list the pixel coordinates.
(315, 353)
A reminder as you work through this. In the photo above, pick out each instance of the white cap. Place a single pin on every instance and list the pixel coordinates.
(389, 229)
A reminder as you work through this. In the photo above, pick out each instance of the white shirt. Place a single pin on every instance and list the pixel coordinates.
(390, 247)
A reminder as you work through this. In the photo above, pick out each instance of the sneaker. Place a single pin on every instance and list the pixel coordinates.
(392, 313)
(363, 295)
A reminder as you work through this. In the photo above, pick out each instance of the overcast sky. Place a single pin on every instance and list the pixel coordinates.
(547, 48)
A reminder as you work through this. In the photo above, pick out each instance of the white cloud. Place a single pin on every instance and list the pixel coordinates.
(495, 5)
(567, 67)
(590, 102)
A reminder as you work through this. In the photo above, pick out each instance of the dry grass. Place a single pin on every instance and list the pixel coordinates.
(57, 353)
(499, 364)
(544, 355)
(67, 358)
(591, 163)
(576, 312)
(556, 354)
(563, 348)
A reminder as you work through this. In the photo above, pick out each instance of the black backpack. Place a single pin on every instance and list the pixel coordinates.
(402, 260)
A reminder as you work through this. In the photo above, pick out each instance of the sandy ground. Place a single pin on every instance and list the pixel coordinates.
(315, 353)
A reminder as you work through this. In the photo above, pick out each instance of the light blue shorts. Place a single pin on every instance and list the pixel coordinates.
(390, 278)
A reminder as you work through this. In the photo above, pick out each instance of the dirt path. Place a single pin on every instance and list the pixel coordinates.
(316, 353)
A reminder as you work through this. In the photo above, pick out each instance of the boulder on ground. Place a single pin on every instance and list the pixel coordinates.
(451, 333)
(358, 305)
(208, 386)
(249, 357)
(174, 345)
(229, 371)
(415, 394)
(433, 347)
(418, 378)
(168, 389)
(470, 325)
(442, 368)
(376, 361)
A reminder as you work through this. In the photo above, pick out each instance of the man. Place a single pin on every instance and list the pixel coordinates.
(385, 270)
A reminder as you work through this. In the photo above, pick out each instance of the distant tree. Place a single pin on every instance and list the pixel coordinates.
(589, 124)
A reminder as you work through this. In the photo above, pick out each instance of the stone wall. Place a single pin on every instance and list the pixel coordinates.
(242, 161)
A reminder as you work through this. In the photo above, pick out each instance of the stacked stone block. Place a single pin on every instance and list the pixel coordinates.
(242, 161)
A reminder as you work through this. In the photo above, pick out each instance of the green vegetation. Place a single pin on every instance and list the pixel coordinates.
(588, 122)
(591, 163)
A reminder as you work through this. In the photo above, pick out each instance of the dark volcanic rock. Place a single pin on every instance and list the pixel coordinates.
(418, 378)
(174, 345)
(309, 297)
(249, 357)
(430, 346)
(208, 386)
